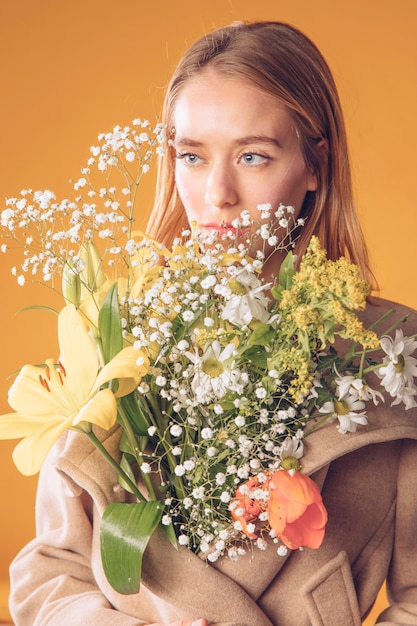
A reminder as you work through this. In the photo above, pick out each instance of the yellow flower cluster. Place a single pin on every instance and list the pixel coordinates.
(354, 328)
(322, 298)
(298, 364)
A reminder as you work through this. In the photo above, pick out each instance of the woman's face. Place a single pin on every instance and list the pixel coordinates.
(236, 148)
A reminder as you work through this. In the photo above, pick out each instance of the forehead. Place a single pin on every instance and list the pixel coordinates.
(213, 98)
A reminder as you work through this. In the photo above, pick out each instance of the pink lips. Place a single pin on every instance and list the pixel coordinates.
(223, 229)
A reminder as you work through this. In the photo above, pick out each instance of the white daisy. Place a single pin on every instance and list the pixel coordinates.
(213, 371)
(246, 299)
(357, 387)
(345, 410)
(399, 367)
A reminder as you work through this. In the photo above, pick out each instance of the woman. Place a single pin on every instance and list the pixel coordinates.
(255, 118)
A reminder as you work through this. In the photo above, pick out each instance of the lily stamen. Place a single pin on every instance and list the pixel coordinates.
(44, 383)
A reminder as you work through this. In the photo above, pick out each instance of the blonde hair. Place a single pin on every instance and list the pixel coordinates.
(281, 61)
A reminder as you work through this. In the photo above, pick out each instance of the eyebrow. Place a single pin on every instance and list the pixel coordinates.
(242, 141)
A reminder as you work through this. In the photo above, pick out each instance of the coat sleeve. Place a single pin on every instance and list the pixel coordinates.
(52, 583)
(402, 576)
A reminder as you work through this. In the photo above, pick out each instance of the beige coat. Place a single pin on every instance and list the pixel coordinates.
(369, 486)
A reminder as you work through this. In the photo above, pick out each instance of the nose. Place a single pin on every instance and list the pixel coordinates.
(221, 189)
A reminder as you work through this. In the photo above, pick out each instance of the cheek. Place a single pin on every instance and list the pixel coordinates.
(293, 186)
(191, 196)
(184, 188)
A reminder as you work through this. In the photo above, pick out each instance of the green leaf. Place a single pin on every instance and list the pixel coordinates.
(37, 307)
(287, 271)
(124, 534)
(170, 534)
(135, 411)
(261, 335)
(257, 356)
(127, 468)
(110, 325)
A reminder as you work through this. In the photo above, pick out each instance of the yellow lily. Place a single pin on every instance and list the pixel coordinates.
(52, 398)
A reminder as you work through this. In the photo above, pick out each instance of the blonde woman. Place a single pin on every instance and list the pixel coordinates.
(254, 117)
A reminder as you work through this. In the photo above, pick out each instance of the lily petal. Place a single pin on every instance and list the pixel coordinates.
(124, 367)
(101, 410)
(16, 426)
(30, 453)
(78, 353)
(29, 396)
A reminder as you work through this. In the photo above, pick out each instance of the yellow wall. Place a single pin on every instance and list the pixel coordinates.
(73, 68)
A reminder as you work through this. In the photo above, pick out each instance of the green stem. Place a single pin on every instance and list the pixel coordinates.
(361, 372)
(166, 442)
(323, 420)
(97, 443)
(126, 425)
(352, 352)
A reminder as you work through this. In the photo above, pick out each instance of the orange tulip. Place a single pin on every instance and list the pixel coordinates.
(296, 510)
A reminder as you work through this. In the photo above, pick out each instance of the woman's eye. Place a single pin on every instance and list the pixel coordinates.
(188, 157)
(252, 158)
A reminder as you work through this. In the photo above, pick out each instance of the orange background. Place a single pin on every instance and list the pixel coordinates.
(73, 68)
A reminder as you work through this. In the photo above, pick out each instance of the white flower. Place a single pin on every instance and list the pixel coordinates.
(246, 300)
(175, 430)
(357, 387)
(240, 421)
(198, 493)
(407, 396)
(213, 374)
(345, 410)
(183, 540)
(397, 373)
(209, 281)
(188, 316)
(292, 447)
(220, 478)
(260, 393)
(282, 550)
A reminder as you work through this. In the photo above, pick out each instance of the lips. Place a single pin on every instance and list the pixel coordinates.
(223, 229)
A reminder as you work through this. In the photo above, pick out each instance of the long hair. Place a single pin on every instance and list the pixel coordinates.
(280, 61)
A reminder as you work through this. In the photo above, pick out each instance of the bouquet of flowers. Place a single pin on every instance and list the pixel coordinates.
(214, 376)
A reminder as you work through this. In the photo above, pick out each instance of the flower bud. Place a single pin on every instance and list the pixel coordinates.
(92, 276)
(71, 284)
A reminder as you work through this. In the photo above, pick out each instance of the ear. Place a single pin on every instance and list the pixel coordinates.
(323, 151)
